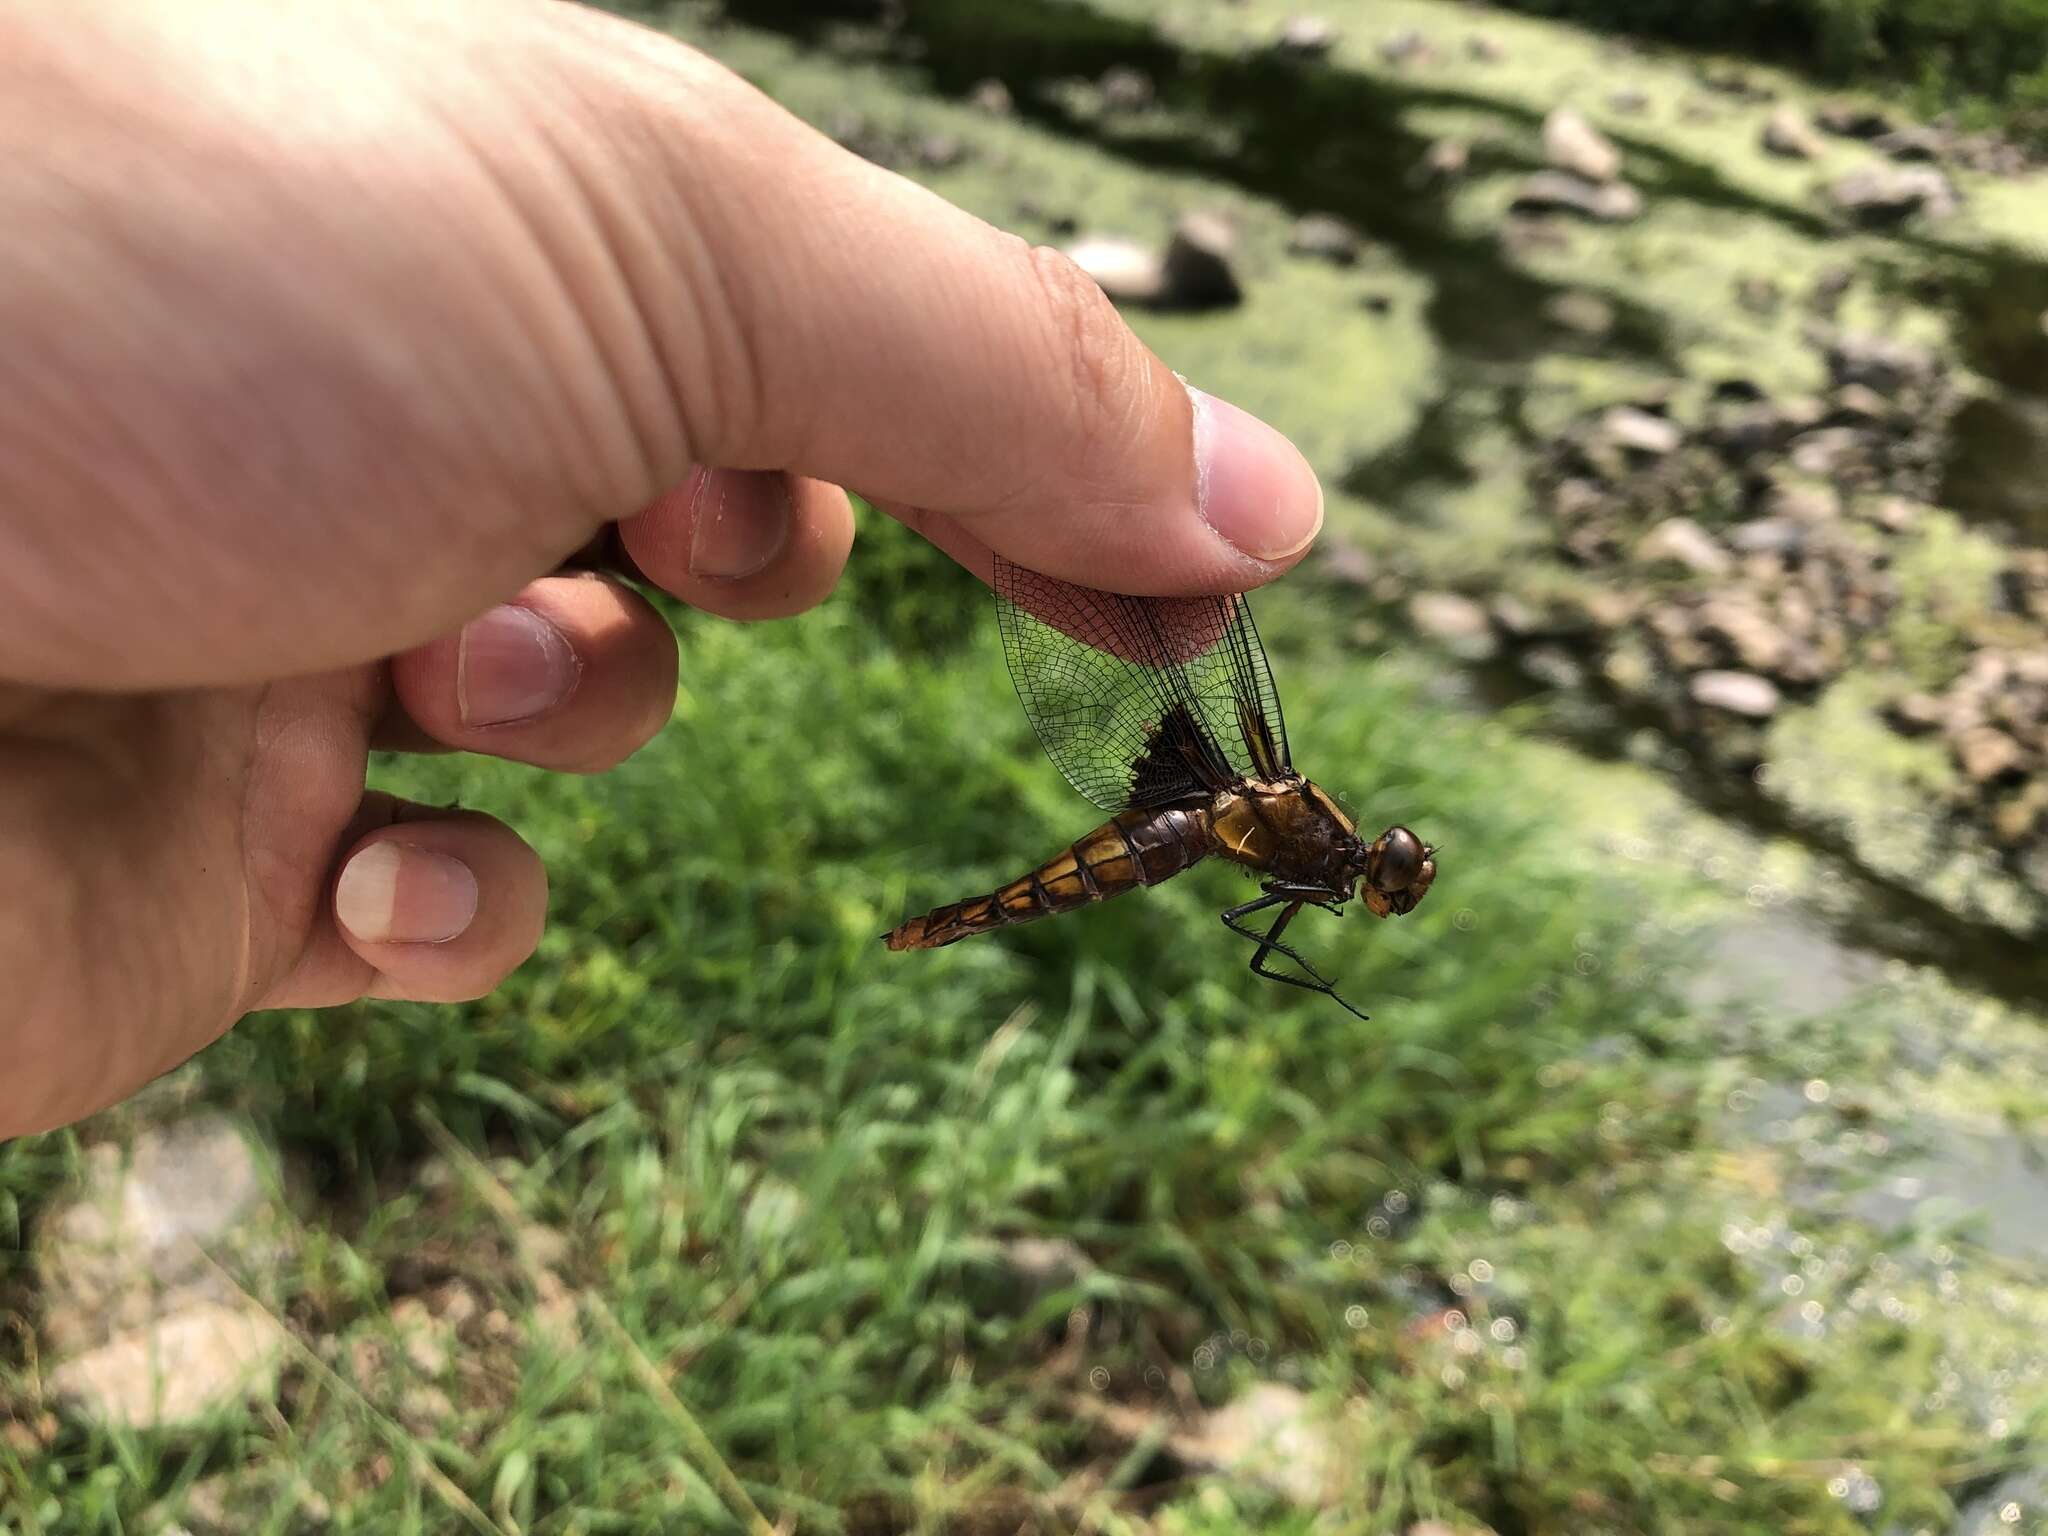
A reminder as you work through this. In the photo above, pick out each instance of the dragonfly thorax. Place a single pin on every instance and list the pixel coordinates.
(1290, 829)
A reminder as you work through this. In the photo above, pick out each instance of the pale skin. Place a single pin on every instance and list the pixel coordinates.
(328, 334)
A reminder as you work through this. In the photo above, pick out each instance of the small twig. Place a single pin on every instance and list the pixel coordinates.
(697, 1445)
(394, 1434)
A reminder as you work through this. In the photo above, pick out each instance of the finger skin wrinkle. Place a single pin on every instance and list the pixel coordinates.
(653, 176)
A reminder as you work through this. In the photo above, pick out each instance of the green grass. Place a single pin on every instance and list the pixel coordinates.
(788, 1161)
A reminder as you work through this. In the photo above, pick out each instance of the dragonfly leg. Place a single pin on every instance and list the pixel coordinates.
(1269, 942)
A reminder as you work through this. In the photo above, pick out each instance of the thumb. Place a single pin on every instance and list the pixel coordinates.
(870, 334)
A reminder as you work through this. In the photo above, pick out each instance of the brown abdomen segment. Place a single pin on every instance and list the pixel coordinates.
(1132, 848)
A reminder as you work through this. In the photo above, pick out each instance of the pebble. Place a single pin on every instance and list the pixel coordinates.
(1736, 693)
(1789, 136)
(1272, 1436)
(1988, 755)
(1612, 202)
(1325, 236)
(1575, 146)
(1639, 431)
(1456, 622)
(1682, 542)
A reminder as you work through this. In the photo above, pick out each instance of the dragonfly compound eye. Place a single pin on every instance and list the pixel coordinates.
(1396, 861)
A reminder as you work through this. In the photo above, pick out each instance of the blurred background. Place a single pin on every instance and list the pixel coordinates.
(1679, 373)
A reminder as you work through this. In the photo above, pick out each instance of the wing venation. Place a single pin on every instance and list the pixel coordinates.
(1140, 701)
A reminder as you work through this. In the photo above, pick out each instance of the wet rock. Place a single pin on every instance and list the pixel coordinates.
(1406, 47)
(936, 151)
(1552, 666)
(1455, 622)
(1788, 135)
(1884, 196)
(1326, 237)
(1829, 289)
(1860, 405)
(1444, 160)
(1852, 120)
(1305, 37)
(1128, 272)
(1736, 390)
(128, 1241)
(1740, 623)
(1894, 514)
(178, 1370)
(2019, 818)
(1914, 142)
(1684, 543)
(1825, 453)
(1484, 49)
(1198, 268)
(1613, 202)
(1767, 536)
(1583, 314)
(1270, 1435)
(1517, 618)
(1916, 714)
(1759, 295)
(1576, 147)
(1630, 103)
(1125, 89)
(1988, 755)
(992, 97)
(1639, 431)
(1736, 693)
(1881, 363)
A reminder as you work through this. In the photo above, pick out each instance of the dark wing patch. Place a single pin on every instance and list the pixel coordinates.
(1140, 701)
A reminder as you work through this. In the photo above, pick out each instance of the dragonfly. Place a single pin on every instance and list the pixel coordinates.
(1162, 711)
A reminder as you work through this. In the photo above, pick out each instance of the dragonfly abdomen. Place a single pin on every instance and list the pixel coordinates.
(1131, 849)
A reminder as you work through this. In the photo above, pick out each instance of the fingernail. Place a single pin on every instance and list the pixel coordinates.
(395, 893)
(1251, 484)
(739, 521)
(512, 664)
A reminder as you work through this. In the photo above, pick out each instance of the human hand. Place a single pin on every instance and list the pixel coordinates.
(328, 334)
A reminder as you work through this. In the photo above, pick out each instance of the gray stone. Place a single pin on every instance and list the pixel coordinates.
(1325, 236)
(178, 1370)
(1454, 622)
(1988, 755)
(1759, 295)
(1736, 693)
(1641, 432)
(1767, 536)
(1585, 314)
(140, 1325)
(1631, 103)
(1406, 47)
(1198, 268)
(1788, 135)
(1881, 363)
(1270, 1435)
(993, 97)
(1483, 49)
(1128, 272)
(1613, 202)
(1915, 142)
(1445, 160)
(1682, 542)
(1125, 89)
(1306, 37)
(1575, 146)
(1882, 196)
(1853, 120)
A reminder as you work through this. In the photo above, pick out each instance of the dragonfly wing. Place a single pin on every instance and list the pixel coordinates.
(1140, 701)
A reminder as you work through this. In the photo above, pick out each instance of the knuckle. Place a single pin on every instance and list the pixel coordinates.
(1100, 357)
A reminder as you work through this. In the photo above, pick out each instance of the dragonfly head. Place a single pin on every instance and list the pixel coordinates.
(1400, 866)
